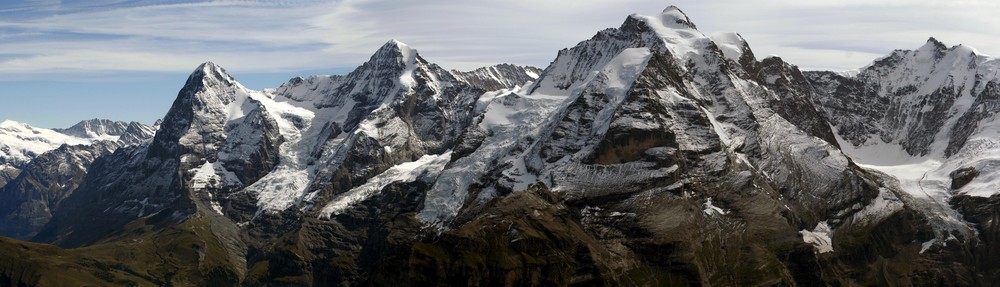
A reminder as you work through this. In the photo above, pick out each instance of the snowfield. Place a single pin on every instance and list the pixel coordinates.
(20, 142)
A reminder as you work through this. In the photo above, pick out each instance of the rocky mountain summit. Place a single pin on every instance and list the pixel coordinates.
(648, 155)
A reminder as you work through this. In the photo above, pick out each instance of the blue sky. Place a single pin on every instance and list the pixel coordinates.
(64, 61)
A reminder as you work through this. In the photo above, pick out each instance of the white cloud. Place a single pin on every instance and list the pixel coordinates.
(268, 36)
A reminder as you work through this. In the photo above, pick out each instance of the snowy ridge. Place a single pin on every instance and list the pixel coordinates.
(20, 142)
(674, 28)
(426, 168)
(309, 88)
(498, 77)
(136, 133)
(284, 145)
(504, 118)
(96, 129)
(504, 133)
(733, 45)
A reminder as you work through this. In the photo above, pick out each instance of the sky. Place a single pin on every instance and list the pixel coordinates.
(65, 61)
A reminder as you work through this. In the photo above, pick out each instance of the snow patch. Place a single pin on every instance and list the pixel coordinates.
(927, 245)
(409, 58)
(212, 175)
(712, 209)
(819, 237)
(731, 44)
(676, 30)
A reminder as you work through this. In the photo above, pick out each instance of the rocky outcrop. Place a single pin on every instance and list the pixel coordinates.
(7, 173)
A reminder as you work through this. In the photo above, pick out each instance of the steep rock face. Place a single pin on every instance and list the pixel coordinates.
(35, 192)
(136, 133)
(794, 96)
(30, 199)
(7, 173)
(185, 163)
(198, 116)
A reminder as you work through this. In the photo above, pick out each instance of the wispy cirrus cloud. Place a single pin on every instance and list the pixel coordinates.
(152, 36)
(295, 35)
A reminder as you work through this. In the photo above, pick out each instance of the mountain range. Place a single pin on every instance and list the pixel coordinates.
(648, 155)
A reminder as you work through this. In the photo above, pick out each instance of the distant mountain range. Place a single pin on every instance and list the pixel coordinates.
(648, 155)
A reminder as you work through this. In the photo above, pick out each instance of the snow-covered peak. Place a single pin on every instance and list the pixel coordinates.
(308, 89)
(136, 133)
(396, 50)
(934, 114)
(931, 65)
(396, 43)
(669, 33)
(209, 72)
(929, 52)
(366, 84)
(97, 129)
(933, 57)
(677, 31)
(672, 17)
(200, 111)
(20, 142)
(933, 44)
(208, 67)
(732, 44)
(211, 76)
(496, 77)
(11, 124)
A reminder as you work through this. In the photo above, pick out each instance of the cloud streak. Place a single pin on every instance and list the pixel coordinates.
(268, 36)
